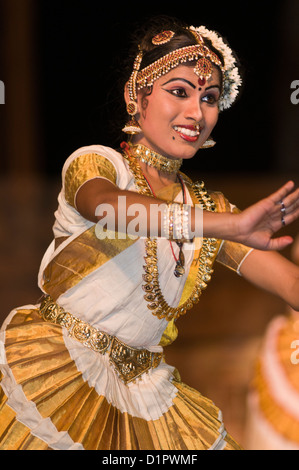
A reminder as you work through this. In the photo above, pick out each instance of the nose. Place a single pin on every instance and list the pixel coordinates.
(193, 109)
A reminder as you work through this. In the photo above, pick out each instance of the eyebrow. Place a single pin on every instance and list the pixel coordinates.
(189, 83)
(181, 79)
(213, 86)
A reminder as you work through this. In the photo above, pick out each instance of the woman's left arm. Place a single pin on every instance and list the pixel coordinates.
(273, 272)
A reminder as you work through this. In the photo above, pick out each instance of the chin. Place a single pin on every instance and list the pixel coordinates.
(186, 151)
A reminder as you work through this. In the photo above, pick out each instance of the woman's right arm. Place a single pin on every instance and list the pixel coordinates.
(254, 227)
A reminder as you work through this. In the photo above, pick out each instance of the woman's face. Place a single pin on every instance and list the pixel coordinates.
(179, 115)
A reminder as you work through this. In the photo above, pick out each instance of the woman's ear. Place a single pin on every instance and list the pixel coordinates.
(132, 127)
(132, 106)
(126, 93)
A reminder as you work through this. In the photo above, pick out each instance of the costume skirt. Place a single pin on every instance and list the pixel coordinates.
(47, 403)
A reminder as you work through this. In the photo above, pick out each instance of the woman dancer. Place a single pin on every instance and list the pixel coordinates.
(273, 399)
(84, 369)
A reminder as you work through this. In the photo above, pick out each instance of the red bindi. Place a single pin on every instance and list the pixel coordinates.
(201, 81)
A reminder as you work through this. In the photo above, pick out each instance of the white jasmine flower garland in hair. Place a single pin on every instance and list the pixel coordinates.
(231, 78)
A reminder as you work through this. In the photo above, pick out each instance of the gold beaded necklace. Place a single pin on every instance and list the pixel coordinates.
(153, 294)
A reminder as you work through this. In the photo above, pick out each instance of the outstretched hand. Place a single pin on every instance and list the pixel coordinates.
(257, 224)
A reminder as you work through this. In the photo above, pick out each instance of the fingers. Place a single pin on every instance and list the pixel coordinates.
(282, 192)
(289, 207)
(291, 214)
(291, 199)
(278, 244)
(286, 200)
(268, 216)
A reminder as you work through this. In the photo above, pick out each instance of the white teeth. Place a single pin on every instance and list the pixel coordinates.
(184, 130)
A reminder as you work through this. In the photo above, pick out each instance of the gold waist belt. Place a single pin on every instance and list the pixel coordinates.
(130, 363)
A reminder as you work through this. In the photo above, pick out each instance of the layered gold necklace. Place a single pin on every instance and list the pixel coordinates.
(153, 294)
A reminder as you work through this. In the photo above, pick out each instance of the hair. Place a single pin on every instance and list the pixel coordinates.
(182, 38)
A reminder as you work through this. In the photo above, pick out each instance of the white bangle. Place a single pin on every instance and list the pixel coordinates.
(186, 209)
(176, 222)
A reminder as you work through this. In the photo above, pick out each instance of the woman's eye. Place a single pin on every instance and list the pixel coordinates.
(210, 99)
(179, 92)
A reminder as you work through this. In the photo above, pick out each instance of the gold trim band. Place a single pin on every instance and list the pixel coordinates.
(129, 363)
(84, 168)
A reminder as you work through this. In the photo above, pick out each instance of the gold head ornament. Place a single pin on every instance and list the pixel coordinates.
(205, 59)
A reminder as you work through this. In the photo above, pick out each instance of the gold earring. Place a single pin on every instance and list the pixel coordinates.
(132, 127)
(210, 142)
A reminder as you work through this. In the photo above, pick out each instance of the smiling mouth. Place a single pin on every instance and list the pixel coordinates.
(189, 133)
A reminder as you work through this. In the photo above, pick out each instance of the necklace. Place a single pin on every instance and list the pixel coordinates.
(156, 160)
(153, 294)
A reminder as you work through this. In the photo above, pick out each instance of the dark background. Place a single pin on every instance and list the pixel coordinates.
(61, 62)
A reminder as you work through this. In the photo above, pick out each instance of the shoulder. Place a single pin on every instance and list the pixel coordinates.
(93, 153)
(90, 162)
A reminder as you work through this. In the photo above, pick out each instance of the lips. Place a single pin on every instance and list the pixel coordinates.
(189, 133)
